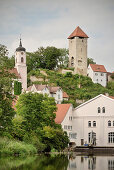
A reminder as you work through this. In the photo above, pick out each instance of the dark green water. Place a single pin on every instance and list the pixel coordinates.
(58, 162)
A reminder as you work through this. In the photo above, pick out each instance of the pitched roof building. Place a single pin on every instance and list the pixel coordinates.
(97, 73)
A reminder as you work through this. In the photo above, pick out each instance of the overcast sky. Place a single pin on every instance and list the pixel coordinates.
(50, 22)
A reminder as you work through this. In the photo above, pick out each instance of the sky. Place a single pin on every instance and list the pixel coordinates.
(50, 22)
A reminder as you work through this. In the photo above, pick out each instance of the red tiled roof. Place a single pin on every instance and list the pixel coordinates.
(61, 112)
(65, 95)
(98, 68)
(14, 71)
(112, 97)
(78, 33)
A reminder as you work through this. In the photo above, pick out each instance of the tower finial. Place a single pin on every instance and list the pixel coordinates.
(20, 45)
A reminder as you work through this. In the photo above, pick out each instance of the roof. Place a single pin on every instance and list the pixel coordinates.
(98, 68)
(65, 95)
(53, 89)
(40, 87)
(92, 100)
(112, 97)
(78, 33)
(20, 48)
(61, 112)
(14, 71)
(29, 88)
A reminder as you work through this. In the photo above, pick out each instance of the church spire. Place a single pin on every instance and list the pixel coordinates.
(20, 48)
(20, 45)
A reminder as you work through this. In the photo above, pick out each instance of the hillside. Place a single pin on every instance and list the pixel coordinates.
(77, 87)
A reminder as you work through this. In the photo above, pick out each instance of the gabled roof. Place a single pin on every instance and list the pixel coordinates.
(98, 68)
(78, 33)
(93, 100)
(14, 71)
(53, 89)
(40, 87)
(65, 95)
(61, 112)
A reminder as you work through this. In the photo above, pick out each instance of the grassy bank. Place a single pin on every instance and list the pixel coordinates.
(10, 147)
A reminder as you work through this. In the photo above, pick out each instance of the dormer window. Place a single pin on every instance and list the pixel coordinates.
(22, 60)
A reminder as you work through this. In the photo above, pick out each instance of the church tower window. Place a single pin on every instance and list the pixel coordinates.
(22, 60)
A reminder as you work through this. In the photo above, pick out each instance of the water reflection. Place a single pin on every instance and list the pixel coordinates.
(58, 162)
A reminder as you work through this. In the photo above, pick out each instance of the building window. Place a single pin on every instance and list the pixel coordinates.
(99, 110)
(70, 117)
(113, 123)
(72, 61)
(58, 96)
(111, 137)
(94, 123)
(22, 60)
(92, 138)
(102, 74)
(110, 164)
(21, 53)
(72, 135)
(96, 74)
(65, 126)
(70, 127)
(109, 123)
(103, 110)
(89, 123)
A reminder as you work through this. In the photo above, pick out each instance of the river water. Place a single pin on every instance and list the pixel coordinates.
(58, 162)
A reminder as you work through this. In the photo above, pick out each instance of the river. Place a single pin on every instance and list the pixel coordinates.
(58, 162)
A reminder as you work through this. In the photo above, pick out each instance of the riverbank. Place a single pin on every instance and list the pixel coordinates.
(10, 147)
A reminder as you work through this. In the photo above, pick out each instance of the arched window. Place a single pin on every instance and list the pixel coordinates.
(22, 60)
(99, 110)
(111, 137)
(72, 61)
(103, 110)
(92, 138)
(16, 60)
(109, 123)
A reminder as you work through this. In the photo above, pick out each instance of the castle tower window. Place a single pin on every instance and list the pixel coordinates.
(21, 53)
(22, 60)
(72, 61)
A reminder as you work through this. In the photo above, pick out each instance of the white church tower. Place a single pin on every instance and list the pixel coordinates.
(20, 65)
(78, 51)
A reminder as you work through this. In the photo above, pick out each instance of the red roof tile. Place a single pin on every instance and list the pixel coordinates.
(65, 95)
(78, 33)
(61, 112)
(112, 97)
(14, 71)
(98, 68)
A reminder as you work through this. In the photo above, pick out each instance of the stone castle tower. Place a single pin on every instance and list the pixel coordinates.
(78, 51)
(20, 65)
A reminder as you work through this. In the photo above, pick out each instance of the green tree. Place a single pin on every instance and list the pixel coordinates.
(4, 60)
(90, 61)
(6, 110)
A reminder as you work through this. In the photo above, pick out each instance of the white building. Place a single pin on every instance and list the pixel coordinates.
(55, 92)
(94, 117)
(97, 73)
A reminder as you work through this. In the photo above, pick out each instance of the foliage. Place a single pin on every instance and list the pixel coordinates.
(47, 58)
(5, 62)
(6, 110)
(110, 85)
(36, 122)
(54, 138)
(112, 76)
(76, 86)
(17, 88)
(12, 147)
(90, 61)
